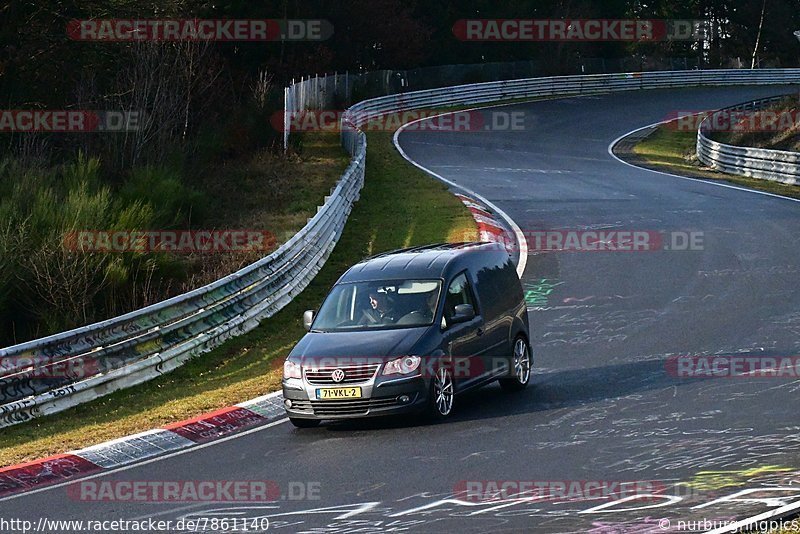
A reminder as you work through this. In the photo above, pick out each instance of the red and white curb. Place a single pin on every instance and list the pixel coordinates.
(137, 447)
(198, 430)
(192, 432)
(519, 242)
(490, 227)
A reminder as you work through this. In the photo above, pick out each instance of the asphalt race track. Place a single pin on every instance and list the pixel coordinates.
(603, 407)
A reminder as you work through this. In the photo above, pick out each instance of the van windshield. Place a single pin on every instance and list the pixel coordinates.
(378, 305)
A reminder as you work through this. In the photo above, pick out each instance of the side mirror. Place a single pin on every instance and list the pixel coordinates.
(308, 318)
(463, 313)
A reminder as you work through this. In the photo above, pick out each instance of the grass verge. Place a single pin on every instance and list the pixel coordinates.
(774, 127)
(669, 150)
(400, 206)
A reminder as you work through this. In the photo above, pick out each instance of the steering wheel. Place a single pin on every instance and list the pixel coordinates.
(415, 316)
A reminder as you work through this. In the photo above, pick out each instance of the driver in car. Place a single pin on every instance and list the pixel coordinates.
(380, 311)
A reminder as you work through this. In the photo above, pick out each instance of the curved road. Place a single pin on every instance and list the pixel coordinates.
(603, 407)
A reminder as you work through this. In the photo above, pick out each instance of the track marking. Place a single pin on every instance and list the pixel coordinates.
(782, 511)
(700, 180)
(150, 461)
(523, 244)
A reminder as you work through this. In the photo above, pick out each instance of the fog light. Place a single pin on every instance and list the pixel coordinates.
(287, 403)
(403, 399)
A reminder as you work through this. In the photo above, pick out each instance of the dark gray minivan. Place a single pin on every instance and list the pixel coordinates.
(408, 330)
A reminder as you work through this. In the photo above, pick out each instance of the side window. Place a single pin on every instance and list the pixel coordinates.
(343, 303)
(459, 292)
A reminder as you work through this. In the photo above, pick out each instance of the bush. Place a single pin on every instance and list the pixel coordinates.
(49, 286)
(174, 204)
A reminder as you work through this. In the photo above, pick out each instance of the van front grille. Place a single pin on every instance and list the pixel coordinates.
(353, 374)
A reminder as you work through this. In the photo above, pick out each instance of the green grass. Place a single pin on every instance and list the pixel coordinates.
(399, 206)
(670, 150)
(269, 191)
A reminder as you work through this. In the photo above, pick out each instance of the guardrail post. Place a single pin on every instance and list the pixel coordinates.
(286, 121)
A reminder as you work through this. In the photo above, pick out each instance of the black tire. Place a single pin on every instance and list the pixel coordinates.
(522, 361)
(304, 423)
(441, 398)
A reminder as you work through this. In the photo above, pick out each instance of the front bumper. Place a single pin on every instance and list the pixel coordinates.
(377, 399)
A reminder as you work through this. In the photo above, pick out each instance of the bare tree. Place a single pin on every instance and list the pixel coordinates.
(758, 35)
(161, 85)
(261, 89)
(66, 281)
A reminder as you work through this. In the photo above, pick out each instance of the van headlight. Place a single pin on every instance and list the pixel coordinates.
(291, 369)
(402, 366)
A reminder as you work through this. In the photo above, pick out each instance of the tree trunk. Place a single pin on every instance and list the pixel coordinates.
(758, 36)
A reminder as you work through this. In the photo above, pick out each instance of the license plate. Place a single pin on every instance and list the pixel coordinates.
(338, 393)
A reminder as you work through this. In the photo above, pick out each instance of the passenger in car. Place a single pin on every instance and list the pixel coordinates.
(429, 310)
(422, 312)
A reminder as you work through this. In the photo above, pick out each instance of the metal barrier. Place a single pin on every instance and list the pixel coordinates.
(339, 91)
(775, 165)
(475, 94)
(54, 373)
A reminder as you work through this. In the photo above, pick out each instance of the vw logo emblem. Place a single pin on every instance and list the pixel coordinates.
(337, 375)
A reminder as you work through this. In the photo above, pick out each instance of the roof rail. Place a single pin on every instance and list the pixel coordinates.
(418, 248)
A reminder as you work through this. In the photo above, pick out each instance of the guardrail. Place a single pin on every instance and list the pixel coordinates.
(775, 165)
(342, 90)
(98, 359)
(54, 373)
(298, 99)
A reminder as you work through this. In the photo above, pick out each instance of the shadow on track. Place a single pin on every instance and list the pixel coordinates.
(551, 391)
